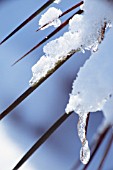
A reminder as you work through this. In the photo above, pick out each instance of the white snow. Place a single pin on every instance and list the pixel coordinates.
(93, 88)
(50, 17)
(84, 33)
(94, 84)
(41, 68)
(57, 1)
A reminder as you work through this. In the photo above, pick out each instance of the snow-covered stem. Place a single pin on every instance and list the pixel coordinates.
(51, 70)
(31, 89)
(48, 37)
(75, 38)
(64, 13)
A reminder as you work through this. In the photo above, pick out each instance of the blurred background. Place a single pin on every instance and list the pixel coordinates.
(23, 126)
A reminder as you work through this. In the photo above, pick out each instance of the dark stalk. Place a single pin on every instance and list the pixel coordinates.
(44, 137)
(64, 13)
(48, 37)
(31, 89)
(72, 8)
(87, 121)
(106, 152)
(28, 20)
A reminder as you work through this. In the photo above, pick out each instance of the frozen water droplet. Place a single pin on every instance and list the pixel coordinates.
(85, 151)
(82, 49)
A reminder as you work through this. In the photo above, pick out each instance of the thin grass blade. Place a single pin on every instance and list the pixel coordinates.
(28, 20)
(42, 140)
(106, 152)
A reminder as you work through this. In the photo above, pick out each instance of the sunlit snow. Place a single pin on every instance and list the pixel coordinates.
(50, 17)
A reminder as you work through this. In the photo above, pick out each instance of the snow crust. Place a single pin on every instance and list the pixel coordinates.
(41, 68)
(50, 17)
(85, 32)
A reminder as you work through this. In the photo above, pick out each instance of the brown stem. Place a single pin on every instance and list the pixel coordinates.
(106, 152)
(28, 20)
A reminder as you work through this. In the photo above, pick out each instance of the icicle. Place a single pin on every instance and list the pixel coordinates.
(85, 151)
